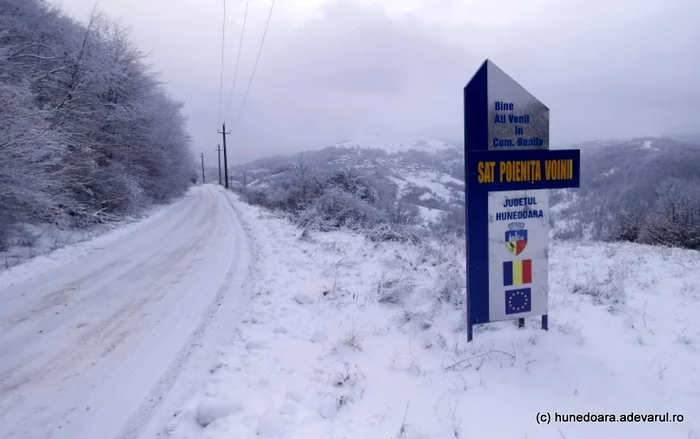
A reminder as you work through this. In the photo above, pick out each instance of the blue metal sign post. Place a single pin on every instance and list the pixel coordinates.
(508, 171)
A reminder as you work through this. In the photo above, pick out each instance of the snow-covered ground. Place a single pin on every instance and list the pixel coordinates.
(434, 181)
(37, 241)
(430, 181)
(74, 246)
(430, 215)
(647, 145)
(97, 339)
(345, 338)
(179, 326)
(401, 185)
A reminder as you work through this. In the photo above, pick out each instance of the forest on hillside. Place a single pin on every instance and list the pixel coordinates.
(88, 134)
(642, 190)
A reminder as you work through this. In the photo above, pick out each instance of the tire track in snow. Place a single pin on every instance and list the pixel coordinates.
(148, 331)
(143, 415)
(92, 335)
(41, 287)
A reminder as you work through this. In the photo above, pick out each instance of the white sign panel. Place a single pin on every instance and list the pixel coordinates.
(516, 119)
(518, 254)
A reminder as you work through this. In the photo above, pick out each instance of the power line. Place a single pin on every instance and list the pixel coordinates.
(221, 79)
(238, 59)
(255, 67)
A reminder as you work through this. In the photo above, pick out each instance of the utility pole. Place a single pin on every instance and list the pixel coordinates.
(203, 180)
(223, 133)
(218, 149)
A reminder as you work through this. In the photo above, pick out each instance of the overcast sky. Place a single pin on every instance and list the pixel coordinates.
(333, 69)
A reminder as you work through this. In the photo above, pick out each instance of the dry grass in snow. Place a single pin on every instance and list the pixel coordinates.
(351, 339)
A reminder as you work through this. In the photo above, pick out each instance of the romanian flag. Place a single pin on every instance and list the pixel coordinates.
(517, 272)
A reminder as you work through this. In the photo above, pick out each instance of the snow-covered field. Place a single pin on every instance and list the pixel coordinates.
(429, 181)
(95, 339)
(345, 338)
(430, 215)
(435, 182)
(180, 326)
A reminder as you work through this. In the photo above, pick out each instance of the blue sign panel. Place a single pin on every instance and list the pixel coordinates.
(508, 170)
(523, 169)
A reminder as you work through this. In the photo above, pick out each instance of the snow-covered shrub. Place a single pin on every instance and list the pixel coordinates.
(298, 188)
(352, 339)
(605, 288)
(675, 218)
(352, 182)
(394, 290)
(451, 283)
(339, 198)
(257, 197)
(627, 222)
(337, 208)
(292, 190)
(389, 232)
(403, 213)
(450, 222)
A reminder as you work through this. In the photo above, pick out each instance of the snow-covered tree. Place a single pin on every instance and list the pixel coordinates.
(675, 218)
(87, 132)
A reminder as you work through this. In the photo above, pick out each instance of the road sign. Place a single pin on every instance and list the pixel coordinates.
(508, 171)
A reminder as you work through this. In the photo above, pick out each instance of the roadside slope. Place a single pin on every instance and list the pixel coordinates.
(348, 339)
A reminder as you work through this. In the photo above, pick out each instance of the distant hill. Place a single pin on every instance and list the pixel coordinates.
(619, 177)
(392, 145)
(424, 172)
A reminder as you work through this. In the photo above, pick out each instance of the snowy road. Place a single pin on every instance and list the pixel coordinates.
(91, 347)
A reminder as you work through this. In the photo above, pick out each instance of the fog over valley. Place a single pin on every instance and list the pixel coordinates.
(332, 70)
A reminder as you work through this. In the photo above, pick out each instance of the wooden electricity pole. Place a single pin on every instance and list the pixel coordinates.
(223, 133)
(203, 180)
(218, 150)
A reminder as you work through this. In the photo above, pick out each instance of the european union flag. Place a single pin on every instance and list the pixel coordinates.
(518, 301)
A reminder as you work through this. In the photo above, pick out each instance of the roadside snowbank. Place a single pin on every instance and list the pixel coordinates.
(351, 339)
(50, 247)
